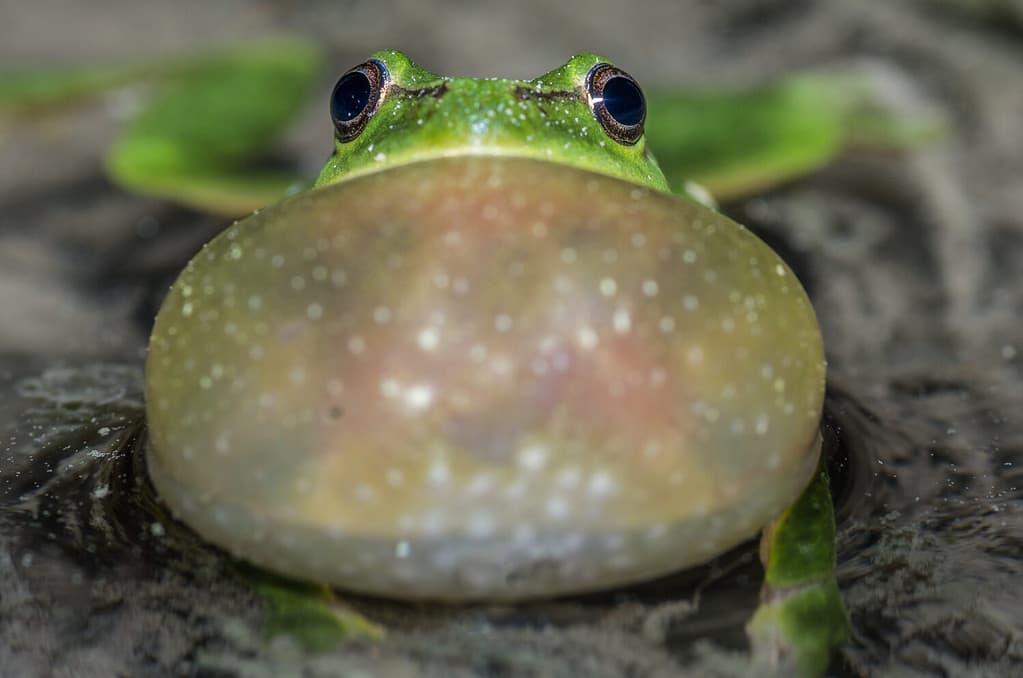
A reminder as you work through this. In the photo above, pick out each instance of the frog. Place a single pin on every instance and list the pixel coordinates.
(403, 129)
(490, 356)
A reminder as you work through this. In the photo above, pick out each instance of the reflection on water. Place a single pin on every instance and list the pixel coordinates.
(931, 537)
(73, 479)
(933, 556)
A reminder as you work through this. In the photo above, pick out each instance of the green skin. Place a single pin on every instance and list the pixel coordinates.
(196, 138)
(189, 145)
(208, 119)
(544, 119)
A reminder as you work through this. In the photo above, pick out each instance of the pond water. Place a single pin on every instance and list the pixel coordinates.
(913, 265)
(926, 486)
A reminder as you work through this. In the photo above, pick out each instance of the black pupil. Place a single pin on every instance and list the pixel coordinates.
(351, 95)
(624, 101)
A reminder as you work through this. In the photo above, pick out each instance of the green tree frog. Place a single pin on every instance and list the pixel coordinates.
(491, 357)
(564, 378)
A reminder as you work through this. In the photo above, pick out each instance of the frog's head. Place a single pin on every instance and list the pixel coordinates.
(388, 111)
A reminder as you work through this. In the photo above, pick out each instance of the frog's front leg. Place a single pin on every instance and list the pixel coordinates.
(203, 119)
(312, 614)
(196, 141)
(801, 619)
(741, 141)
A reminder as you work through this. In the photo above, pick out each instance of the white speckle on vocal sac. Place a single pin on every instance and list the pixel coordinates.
(438, 474)
(587, 338)
(622, 321)
(533, 458)
(428, 338)
(418, 397)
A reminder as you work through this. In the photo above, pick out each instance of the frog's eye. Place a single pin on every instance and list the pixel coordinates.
(617, 102)
(356, 97)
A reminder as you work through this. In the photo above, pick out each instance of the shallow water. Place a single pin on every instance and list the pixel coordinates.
(925, 481)
(912, 264)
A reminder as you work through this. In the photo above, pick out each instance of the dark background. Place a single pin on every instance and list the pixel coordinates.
(913, 263)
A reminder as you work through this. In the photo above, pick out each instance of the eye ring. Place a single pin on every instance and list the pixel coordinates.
(617, 103)
(356, 97)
